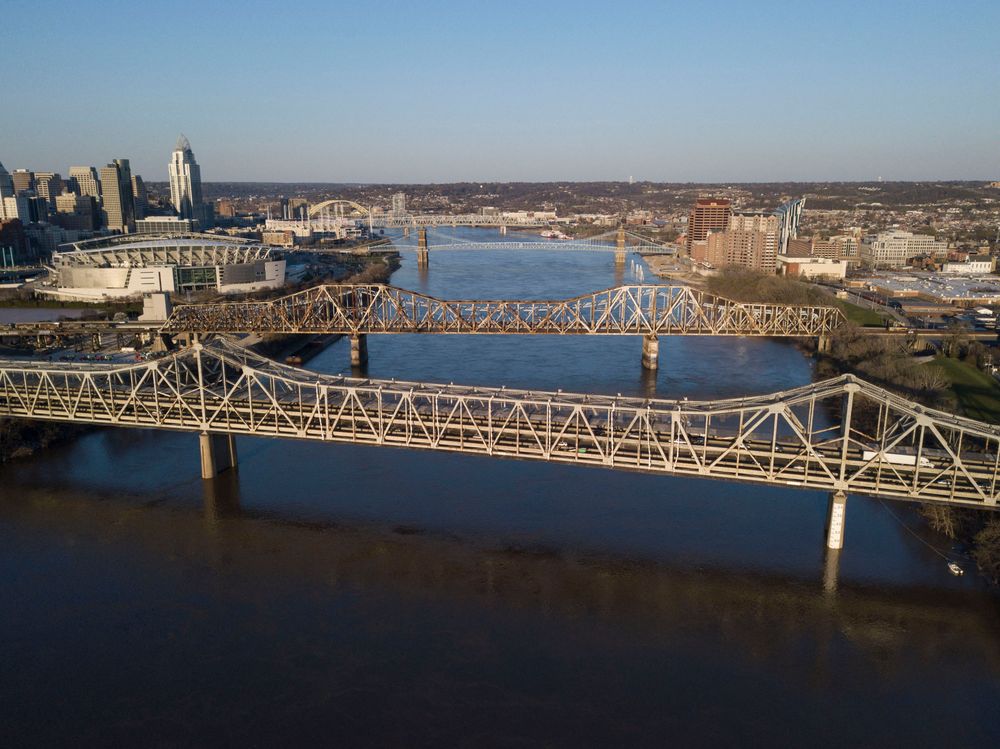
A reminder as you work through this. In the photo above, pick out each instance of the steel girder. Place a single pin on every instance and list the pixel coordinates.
(839, 435)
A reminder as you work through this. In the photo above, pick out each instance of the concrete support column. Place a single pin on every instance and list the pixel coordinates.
(823, 344)
(620, 246)
(359, 350)
(650, 352)
(406, 231)
(423, 252)
(836, 517)
(503, 230)
(218, 453)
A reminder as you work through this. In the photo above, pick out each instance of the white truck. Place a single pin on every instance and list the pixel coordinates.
(899, 459)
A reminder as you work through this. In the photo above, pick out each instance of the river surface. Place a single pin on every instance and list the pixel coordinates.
(350, 595)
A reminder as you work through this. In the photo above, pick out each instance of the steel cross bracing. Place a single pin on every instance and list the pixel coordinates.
(623, 310)
(840, 435)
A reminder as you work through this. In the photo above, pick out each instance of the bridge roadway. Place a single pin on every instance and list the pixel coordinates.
(841, 435)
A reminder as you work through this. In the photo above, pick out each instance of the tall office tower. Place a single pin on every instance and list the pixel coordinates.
(707, 215)
(788, 215)
(6, 191)
(185, 181)
(48, 185)
(87, 180)
(23, 180)
(139, 196)
(119, 207)
(399, 204)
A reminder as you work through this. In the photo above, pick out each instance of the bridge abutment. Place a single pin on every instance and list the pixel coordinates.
(218, 453)
(836, 518)
(650, 352)
(359, 350)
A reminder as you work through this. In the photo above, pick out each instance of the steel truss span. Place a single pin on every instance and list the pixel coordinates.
(842, 435)
(622, 310)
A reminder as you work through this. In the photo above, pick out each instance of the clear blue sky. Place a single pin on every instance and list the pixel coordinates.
(374, 91)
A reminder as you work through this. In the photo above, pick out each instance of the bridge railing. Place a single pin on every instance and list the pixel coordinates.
(839, 435)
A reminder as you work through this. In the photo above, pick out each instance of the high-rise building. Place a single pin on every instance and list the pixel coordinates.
(139, 197)
(752, 240)
(788, 215)
(79, 212)
(707, 215)
(23, 180)
(48, 185)
(894, 248)
(399, 204)
(87, 180)
(6, 191)
(185, 181)
(119, 207)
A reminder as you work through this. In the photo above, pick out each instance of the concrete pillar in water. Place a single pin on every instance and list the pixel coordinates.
(836, 517)
(359, 350)
(620, 246)
(218, 453)
(650, 352)
(406, 231)
(423, 253)
(831, 570)
(503, 230)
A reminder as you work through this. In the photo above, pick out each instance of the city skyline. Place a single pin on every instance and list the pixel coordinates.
(524, 93)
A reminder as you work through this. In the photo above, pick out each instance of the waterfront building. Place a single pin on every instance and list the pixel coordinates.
(185, 181)
(891, 249)
(119, 207)
(87, 180)
(119, 267)
(811, 267)
(752, 240)
(707, 215)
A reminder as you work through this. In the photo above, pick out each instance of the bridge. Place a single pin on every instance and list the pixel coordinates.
(647, 310)
(842, 435)
(334, 212)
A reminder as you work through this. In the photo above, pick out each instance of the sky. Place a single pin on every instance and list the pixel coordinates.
(417, 92)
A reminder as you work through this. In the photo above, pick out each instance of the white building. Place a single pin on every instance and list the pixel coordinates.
(976, 265)
(891, 249)
(185, 181)
(811, 267)
(113, 268)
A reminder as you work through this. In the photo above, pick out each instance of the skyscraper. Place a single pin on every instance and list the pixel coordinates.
(48, 185)
(119, 207)
(399, 204)
(6, 191)
(185, 181)
(23, 180)
(139, 196)
(87, 180)
(707, 215)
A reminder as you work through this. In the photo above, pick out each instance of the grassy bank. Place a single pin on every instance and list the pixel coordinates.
(976, 392)
(865, 318)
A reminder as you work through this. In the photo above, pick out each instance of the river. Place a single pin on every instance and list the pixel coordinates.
(359, 595)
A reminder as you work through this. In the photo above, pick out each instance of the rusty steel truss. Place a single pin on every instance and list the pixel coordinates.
(841, 435)
(648, 310)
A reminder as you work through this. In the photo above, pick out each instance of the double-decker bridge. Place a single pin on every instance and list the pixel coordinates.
(842, 435)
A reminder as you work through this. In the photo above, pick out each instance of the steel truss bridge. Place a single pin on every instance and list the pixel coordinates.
(616, 240)
(648, 310)
(841, 435)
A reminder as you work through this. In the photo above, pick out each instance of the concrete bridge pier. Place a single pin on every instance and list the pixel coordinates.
(218, 453)
(650, 352)
(836, 516)
(406, 231)
(503, 230)
(831, 570)
(823, 344)
(620, 247)
(359, 350)
(423, 253)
